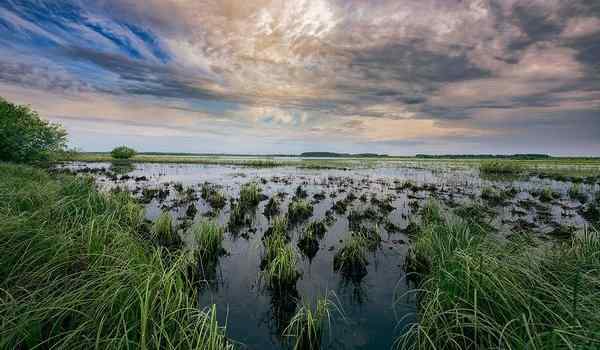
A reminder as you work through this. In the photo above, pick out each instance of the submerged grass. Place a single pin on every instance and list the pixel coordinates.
(75, 272)
(478, 293)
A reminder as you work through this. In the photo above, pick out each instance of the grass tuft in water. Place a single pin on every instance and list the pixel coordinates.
(308, 326)
(250, 195)
(299, 210)
(209, 238)
(281, 272)
(479, 293)
(351, 259)
(163, 229)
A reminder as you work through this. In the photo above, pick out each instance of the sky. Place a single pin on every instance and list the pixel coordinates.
(397, 77)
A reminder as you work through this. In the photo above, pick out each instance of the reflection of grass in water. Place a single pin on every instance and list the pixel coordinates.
(479, 293)
(102, 287)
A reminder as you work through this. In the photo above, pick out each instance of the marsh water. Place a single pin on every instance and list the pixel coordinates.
(375, 308)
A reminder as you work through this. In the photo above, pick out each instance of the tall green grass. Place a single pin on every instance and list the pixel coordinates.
(209, 238)
(308, 326)
(163, 228)
(76, 273)
(480, 293)
(250, 195)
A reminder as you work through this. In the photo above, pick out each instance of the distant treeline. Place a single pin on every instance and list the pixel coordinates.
(341, 155)
(485, 156)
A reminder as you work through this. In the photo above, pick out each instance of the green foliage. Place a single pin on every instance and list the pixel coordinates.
(25, 137)
(75, 272)
(213, 196)
(209, 238)
(479, 293)
(250, 195)
(163, 230)
(299, 210)
(501, 167)
(308, 325)
(275, 238)
(281, 271)
(351, 260)
(122, 152)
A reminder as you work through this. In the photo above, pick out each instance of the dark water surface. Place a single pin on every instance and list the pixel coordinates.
(376, 309)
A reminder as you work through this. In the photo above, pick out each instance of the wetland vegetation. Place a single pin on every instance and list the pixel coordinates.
(250, 253)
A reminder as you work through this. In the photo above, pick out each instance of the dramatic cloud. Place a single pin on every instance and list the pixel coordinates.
(278, 76)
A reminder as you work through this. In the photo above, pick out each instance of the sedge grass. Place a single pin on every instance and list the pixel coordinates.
(479, 293)
(351, 259)
(281, 272)
(209, 238)
(76, 274)
(250, 195)
(163, 228)
(309, 324)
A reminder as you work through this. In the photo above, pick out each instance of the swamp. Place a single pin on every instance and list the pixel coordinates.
(288, 235)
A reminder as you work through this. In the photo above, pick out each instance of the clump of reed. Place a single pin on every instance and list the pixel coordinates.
(279, 260)
(213, 196)
(480, 293)
(309, 324)
(250, 195)
(351, 259)
(163, 229)
(299, 210)
(501, 167)
(309, 240)
(275, 239)
(97, 273)
(281, 272)
(209, 238)
(548, 195)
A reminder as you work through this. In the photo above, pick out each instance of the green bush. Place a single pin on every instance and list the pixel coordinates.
(122, 152)
(25, 137)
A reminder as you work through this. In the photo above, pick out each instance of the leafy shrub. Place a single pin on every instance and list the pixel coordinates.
(25, 137)
(122, 152)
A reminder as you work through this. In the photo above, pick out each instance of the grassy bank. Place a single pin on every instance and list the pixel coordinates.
(76, 272)
(478, 293)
